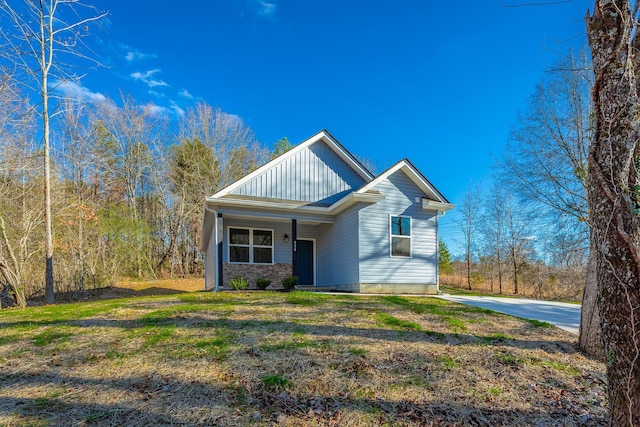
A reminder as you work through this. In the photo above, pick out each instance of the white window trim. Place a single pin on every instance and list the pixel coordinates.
(391, 236)
(250, 245)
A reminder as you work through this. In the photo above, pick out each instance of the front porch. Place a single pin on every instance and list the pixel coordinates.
(267, 245)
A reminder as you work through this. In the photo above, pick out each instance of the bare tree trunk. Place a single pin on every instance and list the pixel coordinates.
(469, 268)
(9, 276)
(614, 199)
(46, 56)
(590, 339)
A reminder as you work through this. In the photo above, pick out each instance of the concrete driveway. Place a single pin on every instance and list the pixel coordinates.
(563, 315)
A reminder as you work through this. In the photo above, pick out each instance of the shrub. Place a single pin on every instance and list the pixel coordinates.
(290, 282)
(262, 283)
(239, 283)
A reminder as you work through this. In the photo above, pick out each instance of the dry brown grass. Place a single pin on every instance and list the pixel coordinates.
(265, 358)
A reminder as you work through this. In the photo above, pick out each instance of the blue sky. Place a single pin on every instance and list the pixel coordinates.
(437, 82)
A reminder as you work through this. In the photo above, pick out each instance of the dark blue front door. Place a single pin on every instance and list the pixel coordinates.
(304, 262)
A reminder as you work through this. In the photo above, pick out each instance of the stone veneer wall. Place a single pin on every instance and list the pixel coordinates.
(274, 272)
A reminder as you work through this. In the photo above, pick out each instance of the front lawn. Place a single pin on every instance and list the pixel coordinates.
(259, 358)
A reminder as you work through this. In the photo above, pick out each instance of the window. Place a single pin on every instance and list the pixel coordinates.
(400, 236)
(248, 245)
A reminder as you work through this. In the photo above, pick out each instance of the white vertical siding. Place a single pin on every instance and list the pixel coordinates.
(316, 174)
(338, 250)
(376, 264)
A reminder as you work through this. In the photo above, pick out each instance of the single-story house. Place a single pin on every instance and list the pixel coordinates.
(317, 213)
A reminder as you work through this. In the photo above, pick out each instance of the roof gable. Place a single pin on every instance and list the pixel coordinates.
(436, 199)
(318, 170)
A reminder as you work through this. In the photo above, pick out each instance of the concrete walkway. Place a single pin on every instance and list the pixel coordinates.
(563, 315)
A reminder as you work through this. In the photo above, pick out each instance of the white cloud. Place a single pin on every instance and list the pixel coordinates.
(156, 110)
(177, 110)
(232, 120)
(157, 94)
(147, 78)
(185, 94)
(132, 54)
(74, 90)
(264, 8)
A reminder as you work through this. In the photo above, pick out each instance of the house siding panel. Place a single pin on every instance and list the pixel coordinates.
(315, 174)
(376, 264)
(338, 250)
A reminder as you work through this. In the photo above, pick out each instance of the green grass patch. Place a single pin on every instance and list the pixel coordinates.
(217, 347)
(538, 323)
(448, 362)
(496, 337)
(508, 358)
(414, 381)
(306, 299)
(276, 382)
(8, 339)
(495, 391)
(419, 305)
(389, 320)
(561, 367)
(155, 335)
(56, 314)
(456, 324)
(359, 352)
(50, 336)
(446, 312)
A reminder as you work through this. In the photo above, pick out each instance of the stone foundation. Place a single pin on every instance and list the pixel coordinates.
(251, 272)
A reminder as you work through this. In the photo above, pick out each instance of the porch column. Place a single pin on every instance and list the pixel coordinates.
(294, 246)
(220, 237)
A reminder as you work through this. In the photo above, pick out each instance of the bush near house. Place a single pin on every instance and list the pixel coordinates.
(262, 283)
(290, 282)
(239, 283)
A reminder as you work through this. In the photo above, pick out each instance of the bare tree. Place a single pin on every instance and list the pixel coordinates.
(546, 161)
(494, 229)
(125, 139)
(614, 198)
(215, 149)
(469, 221)
(38, 43)
(17, 186)
(517, 239)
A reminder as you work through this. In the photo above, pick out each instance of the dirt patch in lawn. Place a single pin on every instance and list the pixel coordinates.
(265, 358)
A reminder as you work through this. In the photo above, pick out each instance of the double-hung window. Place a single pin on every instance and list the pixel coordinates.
(400, 236)
(250, 245)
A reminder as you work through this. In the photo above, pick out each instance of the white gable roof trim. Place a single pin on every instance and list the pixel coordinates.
(324, 136)
(437, 200)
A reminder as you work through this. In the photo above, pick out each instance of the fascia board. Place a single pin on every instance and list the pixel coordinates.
(338, 206)
(436, 206)
(353, 198)
(412, 174)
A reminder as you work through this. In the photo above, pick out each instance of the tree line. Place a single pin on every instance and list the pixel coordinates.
(127, 183)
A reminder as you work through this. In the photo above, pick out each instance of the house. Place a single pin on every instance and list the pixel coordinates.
(316, 212)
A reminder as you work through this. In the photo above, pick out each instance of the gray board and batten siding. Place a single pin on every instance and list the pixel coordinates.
(315, 175)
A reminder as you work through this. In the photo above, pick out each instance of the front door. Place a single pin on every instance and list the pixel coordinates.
(304, 262)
